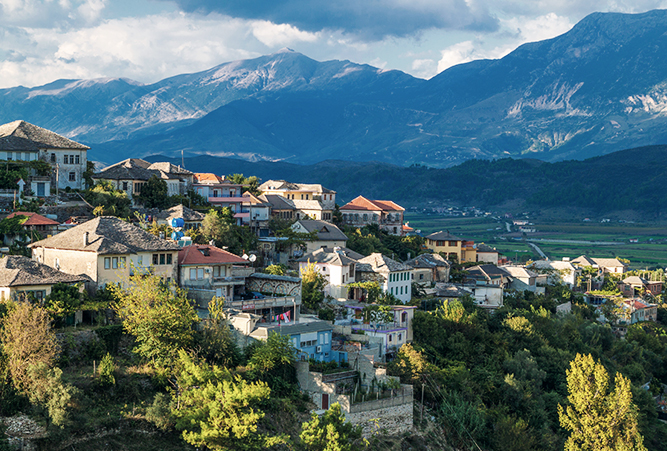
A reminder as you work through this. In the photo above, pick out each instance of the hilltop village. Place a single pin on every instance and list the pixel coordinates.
(342, 309)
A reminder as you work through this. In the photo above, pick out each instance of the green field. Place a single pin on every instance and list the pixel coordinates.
(487, 230)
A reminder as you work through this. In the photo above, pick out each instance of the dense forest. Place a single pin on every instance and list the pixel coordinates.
(626, 180)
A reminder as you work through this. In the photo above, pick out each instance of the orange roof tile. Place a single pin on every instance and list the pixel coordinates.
(196, 254)
(33, 218)
(361, 203)
(207, 177)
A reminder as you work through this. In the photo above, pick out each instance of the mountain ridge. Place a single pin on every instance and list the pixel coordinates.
(598, 88)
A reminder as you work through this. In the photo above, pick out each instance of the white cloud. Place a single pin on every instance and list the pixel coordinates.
(273, 35)
(145, 48)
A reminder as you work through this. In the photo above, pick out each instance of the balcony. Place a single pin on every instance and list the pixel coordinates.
(379, 327)
(225, 200)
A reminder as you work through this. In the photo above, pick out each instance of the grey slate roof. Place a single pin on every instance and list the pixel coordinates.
(428, 261)
(326, 231)
(341, 256)
(380, 263)
(16, 271)
(22, 135)
(483, 248)
(443, 236)
(487, 271)
(169, 168)
(262, 332)
(131, 169)
(277, 202)
(107, 235)
(181, 211)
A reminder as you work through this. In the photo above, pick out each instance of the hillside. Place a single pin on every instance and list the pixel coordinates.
(596, 89)
(626, 180)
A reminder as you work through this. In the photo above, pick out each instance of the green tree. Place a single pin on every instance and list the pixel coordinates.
(107, 200)
(277, 351)
(312, 286)
(597, 418)
(250, 184)
(106, 371)
(154, 193)
(330, 432)
(27, 340)
(276, 270)
(64, 300)
(50, 393)
(217, 410)
(157, 313)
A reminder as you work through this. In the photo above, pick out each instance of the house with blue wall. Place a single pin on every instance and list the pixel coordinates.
(311, 339)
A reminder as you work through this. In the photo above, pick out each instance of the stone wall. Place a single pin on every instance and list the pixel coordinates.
(391, 420)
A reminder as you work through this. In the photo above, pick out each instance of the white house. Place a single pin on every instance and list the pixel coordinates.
(394, 277)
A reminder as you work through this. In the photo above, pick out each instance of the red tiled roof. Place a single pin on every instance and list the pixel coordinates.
(33, 218)
(207, 177)
(195, 255)
(361, 203)
(636, 304)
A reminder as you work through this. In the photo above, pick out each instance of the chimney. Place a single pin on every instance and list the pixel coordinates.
(85, 239)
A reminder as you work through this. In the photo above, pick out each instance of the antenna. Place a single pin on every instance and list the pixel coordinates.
(182, 159)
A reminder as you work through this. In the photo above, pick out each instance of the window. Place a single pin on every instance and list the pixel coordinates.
(53, 158)
(162, 259)
(124, 186)
(66, 159)
(114, 262)
(9, 156)
(76, 159)
(193, 273)
(200, 273)
(72, 176)
(155, 259)
(107, 262)
(137, 187)
(390, 337)
(392, 290)
(421, 276)
(122, 262)
(169, 257)
(140, 260)
(400, 337)
(452, 243)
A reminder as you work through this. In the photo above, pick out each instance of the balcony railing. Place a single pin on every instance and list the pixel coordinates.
(254, 304)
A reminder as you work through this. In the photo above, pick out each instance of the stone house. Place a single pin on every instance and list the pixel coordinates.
(108, 250)
(637, 286)
(386, 214)
(207, 271)
(427, 268)
(328, 235)
(192, 219)
(337, 265)
(394, 277)
(22, 141)
(21, 275)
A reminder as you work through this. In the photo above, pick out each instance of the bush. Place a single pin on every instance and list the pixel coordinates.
(326, 314)
(159, 413)
(106, 371)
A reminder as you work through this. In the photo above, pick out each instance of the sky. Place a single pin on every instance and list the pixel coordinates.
(148, 40)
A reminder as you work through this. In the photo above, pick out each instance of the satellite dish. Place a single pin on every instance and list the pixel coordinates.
(244, 256)
(252, 258)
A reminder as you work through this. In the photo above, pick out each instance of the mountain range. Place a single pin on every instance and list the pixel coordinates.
(599, 88)
(621, 185)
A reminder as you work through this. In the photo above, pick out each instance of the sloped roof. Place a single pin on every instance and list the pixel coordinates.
(205, 254)
(22, 135)
(289, 186)
(169, 168)
(361, 203)
(107, 235)
(584, 261)
(339, 256)
(278, 202)
(132, 169)
(487, 271)
(380, 263)
(307, 204)
(262, 332)
(635, 280)
(17, 270)
(428, 261)
(443, 236)
(254, 200)
(326, 231)
(608, 262)
(181, 211)
(33, 218)
(208, 177)
(483, 248)
(519, 271)
(450, 290)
